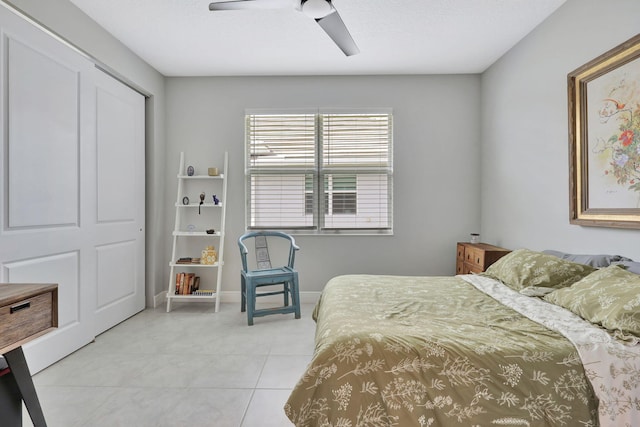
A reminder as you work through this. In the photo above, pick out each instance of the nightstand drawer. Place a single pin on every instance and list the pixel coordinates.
(26, 316)
(474, 256)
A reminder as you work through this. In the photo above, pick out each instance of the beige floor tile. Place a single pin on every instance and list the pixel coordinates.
(191, 367)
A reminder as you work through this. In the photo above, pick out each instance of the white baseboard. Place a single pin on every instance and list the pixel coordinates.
(234, 297)
(160, 299)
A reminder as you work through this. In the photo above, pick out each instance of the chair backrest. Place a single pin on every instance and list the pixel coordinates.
(263, 260)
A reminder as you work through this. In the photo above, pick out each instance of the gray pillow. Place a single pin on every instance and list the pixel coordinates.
(597, 261)
(630, 266)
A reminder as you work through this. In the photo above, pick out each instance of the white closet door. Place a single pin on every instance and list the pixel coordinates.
(48, 156)
(119, 196)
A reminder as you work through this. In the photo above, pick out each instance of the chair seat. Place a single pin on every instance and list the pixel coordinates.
(272, 275)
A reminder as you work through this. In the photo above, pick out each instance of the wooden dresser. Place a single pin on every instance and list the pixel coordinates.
(477, 257)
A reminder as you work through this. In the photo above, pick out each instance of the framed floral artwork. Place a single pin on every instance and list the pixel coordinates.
(604, 139)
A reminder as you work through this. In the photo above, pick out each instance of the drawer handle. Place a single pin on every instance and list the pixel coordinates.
(19, 307)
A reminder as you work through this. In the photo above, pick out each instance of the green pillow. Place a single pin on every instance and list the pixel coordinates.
(523, 268)
(609, 297)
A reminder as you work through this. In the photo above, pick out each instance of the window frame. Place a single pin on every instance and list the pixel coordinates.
(319, 173)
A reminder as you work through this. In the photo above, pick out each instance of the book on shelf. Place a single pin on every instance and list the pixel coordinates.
(204, 292)
(188, 260)
(186, 283)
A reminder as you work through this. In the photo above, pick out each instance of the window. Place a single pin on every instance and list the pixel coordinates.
(319, 172)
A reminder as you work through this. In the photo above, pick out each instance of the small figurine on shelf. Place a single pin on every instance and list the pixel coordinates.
(215, 200)
(190, 171)
(209, 256)
(201, 201)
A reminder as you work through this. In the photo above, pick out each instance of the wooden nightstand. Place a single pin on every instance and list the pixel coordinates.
(477, 257)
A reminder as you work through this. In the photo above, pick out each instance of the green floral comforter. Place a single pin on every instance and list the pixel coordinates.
(435, 351)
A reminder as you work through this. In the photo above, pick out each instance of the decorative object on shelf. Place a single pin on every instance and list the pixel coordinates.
(216, 201)
(190, 171)
(211, 231)
(213, 172)
(604, 139)
(202, 196)
(191, 228)
(209, 256)
(185, 200)
(475, 238)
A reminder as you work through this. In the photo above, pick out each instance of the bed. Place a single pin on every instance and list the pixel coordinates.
(509, 347)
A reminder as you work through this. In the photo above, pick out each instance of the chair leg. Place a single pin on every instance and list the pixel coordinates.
(287, 290)
(295, 294)
(251, 302)
(243, 293)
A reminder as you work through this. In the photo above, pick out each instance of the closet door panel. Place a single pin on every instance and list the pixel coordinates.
(116, 268)
(116, 130)
(62, 269)
(43, 122)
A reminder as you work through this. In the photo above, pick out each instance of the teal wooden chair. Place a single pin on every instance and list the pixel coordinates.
(280, 280)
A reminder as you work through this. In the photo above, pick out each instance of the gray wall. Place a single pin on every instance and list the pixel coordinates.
(517, 109)
(525, 175)
(67, 21)
(436, 171)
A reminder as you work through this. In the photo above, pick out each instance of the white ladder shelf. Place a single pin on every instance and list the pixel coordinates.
(185, 235)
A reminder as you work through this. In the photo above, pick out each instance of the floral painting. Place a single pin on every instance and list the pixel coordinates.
(614, 138)
(604, 139)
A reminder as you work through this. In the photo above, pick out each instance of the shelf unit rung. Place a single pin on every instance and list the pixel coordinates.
(192, 296)
(221, 176)
(196, 234)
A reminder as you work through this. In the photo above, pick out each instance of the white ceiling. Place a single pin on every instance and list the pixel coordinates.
(183, 38)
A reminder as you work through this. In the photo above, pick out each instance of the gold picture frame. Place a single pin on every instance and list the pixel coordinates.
(604, 139)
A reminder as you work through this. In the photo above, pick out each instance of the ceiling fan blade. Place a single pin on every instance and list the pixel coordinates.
(333, 25)
(249, 4)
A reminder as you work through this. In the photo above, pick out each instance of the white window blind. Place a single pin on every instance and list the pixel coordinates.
(320, 172)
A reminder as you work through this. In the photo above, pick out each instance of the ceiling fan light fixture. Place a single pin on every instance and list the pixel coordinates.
(316, 9)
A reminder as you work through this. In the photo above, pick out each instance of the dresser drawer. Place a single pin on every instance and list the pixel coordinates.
(27, 317)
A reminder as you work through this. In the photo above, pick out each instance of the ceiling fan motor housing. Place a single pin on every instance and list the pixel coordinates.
(316, 9)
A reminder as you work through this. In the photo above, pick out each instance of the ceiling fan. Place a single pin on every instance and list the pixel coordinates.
(324, 13)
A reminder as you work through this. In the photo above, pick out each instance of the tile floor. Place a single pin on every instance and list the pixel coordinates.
(191, 367)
